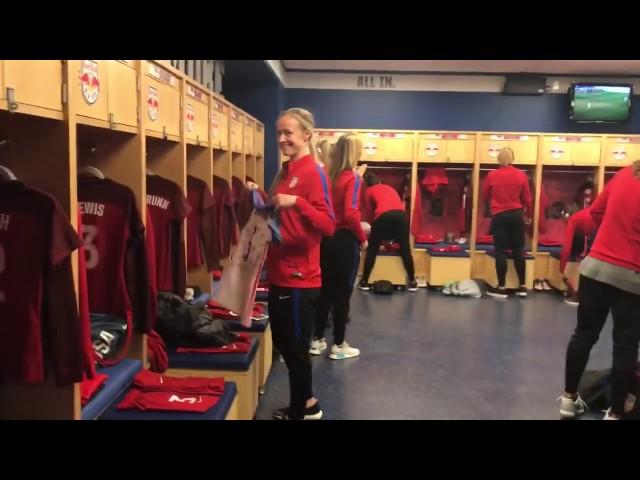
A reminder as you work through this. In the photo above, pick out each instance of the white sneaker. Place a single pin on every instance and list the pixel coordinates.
(629, 403)
(318, 346)
(608, 416)
(570, 408)
(344, 351)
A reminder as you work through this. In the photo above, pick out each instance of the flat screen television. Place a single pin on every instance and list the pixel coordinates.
(600, 102)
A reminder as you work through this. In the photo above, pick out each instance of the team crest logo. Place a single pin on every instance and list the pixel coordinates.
(190, 117)
(619, 153)
(432, 149)
(90, 81)
(556, 152)
(294, 182)
(370, 148)
(214, 123)
(153, 104)
(494, 150)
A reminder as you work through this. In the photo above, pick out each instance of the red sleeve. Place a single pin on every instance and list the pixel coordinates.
(317, 208)
(84, 315)
(599, 205)
(208, 230)
(62, 323)
(525, 196)
(137, 271)
(352, 206)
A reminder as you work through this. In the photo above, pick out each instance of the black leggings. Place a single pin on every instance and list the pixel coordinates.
(339, 258)
(596, 300)
(507, 229)
(291, 312)
(391, 225)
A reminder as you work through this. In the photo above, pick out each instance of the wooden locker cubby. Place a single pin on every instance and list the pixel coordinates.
(236, 139)
(579, 150)
(219, 124)
(524, 146)
(89, 87)
(258, 148)
(222, 164)
(35, 87)
(200, 165)
(249, 135)
(250, 166)
(259, 178)
(162, 102)
(386, 146)
(122, 98)
(45, 164)
(238, 165)
(446, 147)
(196, 114)
(621, 150)
(118, 155)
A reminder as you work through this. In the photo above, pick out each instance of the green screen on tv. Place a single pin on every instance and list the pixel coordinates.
(601, 103)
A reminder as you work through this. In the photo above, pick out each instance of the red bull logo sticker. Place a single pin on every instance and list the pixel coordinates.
(556, 152)
(90, 81)
(370, 148)
(190, 117)
(494, 150)
(432, 149)
(153, 103)
(619, 153)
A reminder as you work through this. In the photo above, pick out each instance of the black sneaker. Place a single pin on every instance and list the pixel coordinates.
(500, 293)
(365, 287)
(310, 413)
(521, 292)
(572, 300)
(412, 286)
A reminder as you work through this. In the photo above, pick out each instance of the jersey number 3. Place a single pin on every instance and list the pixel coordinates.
(92, 256)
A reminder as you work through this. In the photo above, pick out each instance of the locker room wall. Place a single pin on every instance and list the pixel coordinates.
(475, 111)
(254, 87)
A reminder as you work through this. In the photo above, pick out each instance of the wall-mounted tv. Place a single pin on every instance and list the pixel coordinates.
(600, 102)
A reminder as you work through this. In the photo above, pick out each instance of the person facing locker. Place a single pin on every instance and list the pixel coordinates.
(301, 193)
(390, 222)
(509, 196)
(340, 253)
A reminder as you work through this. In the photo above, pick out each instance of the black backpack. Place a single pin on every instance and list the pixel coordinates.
(181, 324)
(382, 287)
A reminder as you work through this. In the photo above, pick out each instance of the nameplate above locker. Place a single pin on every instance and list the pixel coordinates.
(162, 74)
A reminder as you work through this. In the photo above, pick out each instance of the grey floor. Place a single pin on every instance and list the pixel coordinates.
(426, 356)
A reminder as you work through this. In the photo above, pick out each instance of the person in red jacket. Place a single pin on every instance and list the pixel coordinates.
(390, 222)
(340, 253)
(609, 282)
(301, 194)
(507, 192)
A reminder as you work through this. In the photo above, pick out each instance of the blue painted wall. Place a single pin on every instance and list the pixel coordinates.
(252, 86)
(447, 111)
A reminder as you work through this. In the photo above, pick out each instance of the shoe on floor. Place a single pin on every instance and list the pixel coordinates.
(412, 286)
(310, 413)
(537, 286)
(365, 287)
(545, 286)
(572, 300)
(521, 292)
(570, 408)
(344, 351)
(500, 293)
(608, 416)
(318, 345)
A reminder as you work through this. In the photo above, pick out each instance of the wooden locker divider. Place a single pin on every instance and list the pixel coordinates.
(162, 91)
(258, 149)
(33, 87)
(477, 258)
(236, 139)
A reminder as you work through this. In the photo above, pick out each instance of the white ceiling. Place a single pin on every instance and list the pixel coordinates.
(559, 67)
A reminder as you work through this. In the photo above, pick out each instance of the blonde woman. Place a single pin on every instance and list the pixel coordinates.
(507, 192)
(339, 254)
(610, 282)
(302, 195)
(325, 153)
